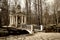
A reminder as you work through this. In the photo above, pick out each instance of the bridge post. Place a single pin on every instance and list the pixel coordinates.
(31, 29)
(41, 26)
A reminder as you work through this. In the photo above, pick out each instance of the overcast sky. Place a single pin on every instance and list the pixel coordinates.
(22, 3)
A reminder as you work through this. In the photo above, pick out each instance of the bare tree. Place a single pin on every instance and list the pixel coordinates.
(54, 16)
(56, 6)
(27, 9)
(46, 15)
(5, 14)
(41, 11)
(36, 15)
(30, 10)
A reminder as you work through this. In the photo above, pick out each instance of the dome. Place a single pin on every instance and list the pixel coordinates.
(18, 6)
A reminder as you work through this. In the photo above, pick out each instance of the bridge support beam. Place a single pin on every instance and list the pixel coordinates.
(31, 29)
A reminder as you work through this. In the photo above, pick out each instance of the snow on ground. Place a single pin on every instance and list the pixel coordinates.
(36, 36)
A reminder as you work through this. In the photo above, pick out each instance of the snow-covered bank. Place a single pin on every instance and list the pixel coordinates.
(36, 36)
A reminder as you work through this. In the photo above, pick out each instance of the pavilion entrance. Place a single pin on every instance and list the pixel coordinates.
(17, 20)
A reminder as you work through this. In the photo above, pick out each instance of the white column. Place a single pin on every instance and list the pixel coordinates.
(10, 20)
(25, 19)
(21, 19)
(16, 20)
(13, 19)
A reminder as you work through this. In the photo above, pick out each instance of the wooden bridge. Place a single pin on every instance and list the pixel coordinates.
(28, 28)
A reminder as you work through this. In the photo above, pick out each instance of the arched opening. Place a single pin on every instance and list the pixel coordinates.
(18, 32)
(14, 32)
(24, 32)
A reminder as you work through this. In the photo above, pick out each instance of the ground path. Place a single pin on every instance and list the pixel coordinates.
(36, 36)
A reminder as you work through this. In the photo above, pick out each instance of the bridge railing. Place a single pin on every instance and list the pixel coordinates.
(32, 28)
(28, 27)
(38, 28)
